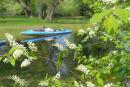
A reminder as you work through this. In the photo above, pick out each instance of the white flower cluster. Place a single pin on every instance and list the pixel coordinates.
(59, 46)
(129, 19)
(83, 69)
(6, 60)
(32, 46)
(90, 84)
(109, 1)
(43, 83)
(128, 8)
(20, 50)
(18, 80)
(110, 65)
(13, 42)
(57, 76)
(91, 33)
(17, 53)
(78, 84)
(108, 85)
(115, 52)
(46, 83)
(81, 32)
(70, 45)
(10, 38)
(26, 62)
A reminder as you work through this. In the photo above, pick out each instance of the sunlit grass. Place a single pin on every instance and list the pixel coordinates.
(15, 25)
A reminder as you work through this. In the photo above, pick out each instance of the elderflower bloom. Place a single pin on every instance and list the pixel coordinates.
(25, 63)
(128, 8)
(76, 84)
(32, 46)
(13, 42)
(114, 52)
(83, 69)
(6, 60)
(109, 1)
(10, 38)
(17, 53)
(70, 45)
(43, 83)
(57, 76)
(91, 33)
(129, 19)
(81, 32)
(18, 80)
(59, 46)
(90, 84)
(108, 85)
(111, 65)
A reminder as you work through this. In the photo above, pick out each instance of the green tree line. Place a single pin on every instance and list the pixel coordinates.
(45, 9)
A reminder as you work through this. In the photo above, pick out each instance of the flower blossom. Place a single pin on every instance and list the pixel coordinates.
(109, 1)
(108, 85)
(90, 84)
(18, 80)
(111, 65)
(17, 53)
(92, 33)
(6, 60)
(25, 63)
(83, 69)
(43, 83)
(57, 76)
(81, 32)
(10, 39)
(129, 19)
(70, 45)
(59, 46)
(13, 42)
(32, 46)
(78, 84)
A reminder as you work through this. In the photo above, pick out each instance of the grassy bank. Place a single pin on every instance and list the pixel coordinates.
(15, 25)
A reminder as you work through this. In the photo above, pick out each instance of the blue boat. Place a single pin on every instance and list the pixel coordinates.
(2, 43)
(43, 32)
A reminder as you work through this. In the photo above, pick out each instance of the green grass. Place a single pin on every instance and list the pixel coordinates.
(15, 25)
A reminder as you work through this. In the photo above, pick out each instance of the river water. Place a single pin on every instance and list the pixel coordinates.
(46, 63)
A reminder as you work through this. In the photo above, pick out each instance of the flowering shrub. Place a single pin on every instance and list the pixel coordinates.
(102, 55)
(103, 52)
(18, 52)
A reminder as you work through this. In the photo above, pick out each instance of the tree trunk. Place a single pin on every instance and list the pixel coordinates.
(25, 7)
(27, 13)
(50, 13)
(51, 9)
(42, 10)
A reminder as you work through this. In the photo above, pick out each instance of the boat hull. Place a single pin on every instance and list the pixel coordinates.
(46, 33)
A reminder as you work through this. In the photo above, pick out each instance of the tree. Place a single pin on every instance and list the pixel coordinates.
(51, 5)
(69, 7)
(25, 6)
(41, 7)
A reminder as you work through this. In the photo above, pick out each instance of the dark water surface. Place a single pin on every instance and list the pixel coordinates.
(40, 67)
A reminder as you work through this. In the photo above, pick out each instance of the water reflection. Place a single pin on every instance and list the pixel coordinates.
(49, 53)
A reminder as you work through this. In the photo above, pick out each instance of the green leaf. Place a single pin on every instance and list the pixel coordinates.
(99, 80)
(12, 61)
(98, 17)
(104, 38)
(0, 58)
(111, 24)
(122, 14)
